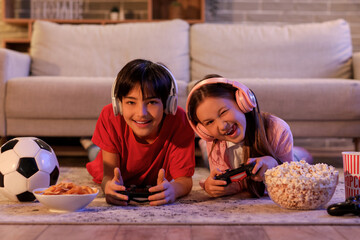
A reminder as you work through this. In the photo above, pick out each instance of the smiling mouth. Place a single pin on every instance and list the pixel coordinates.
(231, 130)
(142, 122)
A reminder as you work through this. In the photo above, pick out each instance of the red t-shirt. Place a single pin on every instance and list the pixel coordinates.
(173, 150)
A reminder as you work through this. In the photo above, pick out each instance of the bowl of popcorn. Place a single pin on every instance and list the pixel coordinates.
(66, 197)
(299, 185)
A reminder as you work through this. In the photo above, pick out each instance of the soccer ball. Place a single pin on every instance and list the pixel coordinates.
(26, 163)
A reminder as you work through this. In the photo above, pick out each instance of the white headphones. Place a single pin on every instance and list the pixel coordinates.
(171, 102)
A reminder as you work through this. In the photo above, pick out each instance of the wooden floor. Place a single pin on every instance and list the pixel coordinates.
(174, 232)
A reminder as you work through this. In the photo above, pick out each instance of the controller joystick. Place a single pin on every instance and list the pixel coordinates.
(236, 174)
(350, 206)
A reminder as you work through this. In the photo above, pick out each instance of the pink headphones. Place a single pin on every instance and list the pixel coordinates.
(245, 99)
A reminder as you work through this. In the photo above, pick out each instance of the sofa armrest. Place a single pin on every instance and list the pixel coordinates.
(12, 64)
(356, 65)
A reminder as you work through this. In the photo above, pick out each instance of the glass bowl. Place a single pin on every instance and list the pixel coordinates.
(301, 186)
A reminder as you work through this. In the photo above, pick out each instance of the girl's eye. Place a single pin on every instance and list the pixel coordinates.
(130, 102)
(223, 112)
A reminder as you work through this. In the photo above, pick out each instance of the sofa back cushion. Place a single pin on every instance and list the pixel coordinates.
(102, 50)
(313, 50)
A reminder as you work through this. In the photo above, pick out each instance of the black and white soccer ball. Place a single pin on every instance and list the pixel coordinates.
(26, 163)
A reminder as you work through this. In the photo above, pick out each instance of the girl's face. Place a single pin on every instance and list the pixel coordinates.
(222, 118)
(144, 116)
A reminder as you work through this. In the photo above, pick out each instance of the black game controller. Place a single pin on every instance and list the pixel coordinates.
(236, 174)
(137, 194)
(350, 206)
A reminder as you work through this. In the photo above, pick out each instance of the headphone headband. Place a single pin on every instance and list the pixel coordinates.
(171, 102)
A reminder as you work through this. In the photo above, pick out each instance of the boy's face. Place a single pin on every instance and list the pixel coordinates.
(222, 118)
(144, 116)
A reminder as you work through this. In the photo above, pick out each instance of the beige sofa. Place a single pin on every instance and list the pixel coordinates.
(60, 89)
(306, 74)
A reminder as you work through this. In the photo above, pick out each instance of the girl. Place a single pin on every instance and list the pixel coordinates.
(226, 114)
(145, 139)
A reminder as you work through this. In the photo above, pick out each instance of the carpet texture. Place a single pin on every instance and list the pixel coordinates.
(196, 208)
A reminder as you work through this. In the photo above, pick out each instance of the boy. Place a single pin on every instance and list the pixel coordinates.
(144, 137)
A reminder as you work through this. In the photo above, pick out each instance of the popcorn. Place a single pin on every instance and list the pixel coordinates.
(299, 185)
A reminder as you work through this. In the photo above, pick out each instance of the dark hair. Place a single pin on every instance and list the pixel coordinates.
(153, 78)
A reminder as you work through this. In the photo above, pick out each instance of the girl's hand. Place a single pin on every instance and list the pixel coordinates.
(111, 188)
(262, 164)
(217, 188)
(166, 192)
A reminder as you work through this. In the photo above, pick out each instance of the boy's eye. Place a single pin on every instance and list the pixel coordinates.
(154, 102)
(207, 123)
(130, 102)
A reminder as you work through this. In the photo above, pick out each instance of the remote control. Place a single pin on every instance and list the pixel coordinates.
(236, 174)
(350, 206)
(137, 194)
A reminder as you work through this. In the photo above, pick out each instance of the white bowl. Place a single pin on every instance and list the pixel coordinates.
(65, 203)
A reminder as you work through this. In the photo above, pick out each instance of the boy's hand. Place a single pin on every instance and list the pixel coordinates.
(166, 191)
(111, 188)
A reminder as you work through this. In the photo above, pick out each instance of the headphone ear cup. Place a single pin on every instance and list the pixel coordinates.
(203, 133)
(245, 101)
(116, 104)
(171, 105)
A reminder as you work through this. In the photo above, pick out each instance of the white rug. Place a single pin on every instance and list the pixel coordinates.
(196, 208)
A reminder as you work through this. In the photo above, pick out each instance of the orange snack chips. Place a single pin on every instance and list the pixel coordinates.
(64, 188)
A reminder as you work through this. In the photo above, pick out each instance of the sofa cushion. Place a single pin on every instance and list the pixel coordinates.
(313, 50)
(57, 97)
(327, 129)
(308, 99)
(102, 50)
(53, 97)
